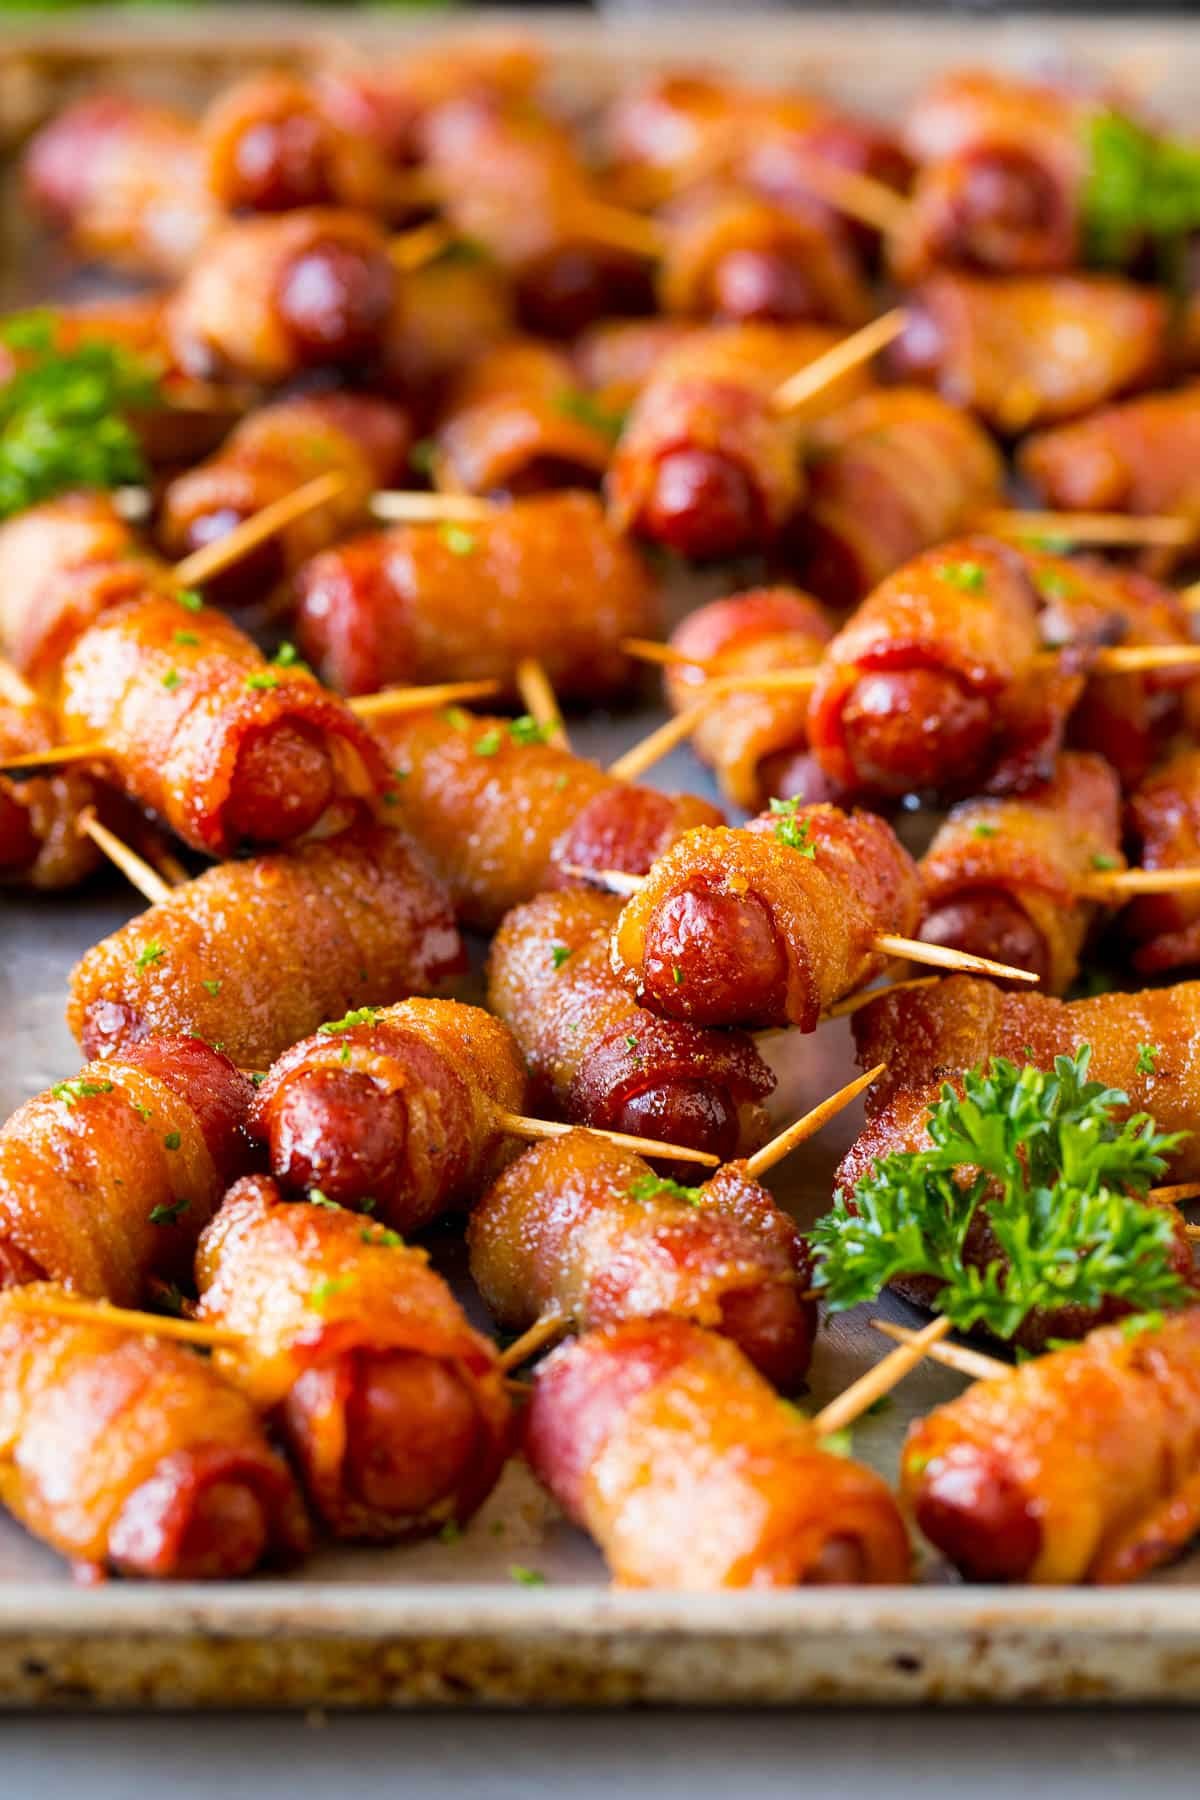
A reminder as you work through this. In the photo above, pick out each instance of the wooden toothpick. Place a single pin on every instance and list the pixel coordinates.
(786, 1141)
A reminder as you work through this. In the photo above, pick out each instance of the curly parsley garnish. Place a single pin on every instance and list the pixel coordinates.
(61, 423)
(1063, 1185)
(1142, 188)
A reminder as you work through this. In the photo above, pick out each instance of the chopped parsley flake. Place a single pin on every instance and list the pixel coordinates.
(1102, 860)
(186, 638)
(490, 742)
(1147, 1058)
(653, 1187)
(559, 954)
(79, 1089)
(362, 1015)
(985, 831)
(263, 679)
(791, 829)
(171, 679)
(457, 539)
(326, 1288)
(526, 730)
(172, 1140)
(211, 987)
(190, 600)
(152, 953)
(971, 577)
(525, 1577)
(381, 1237)
(169, 1215)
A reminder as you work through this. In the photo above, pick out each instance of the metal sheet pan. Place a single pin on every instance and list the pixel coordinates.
(447, 1625)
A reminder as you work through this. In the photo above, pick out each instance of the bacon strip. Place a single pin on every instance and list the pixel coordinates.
(130, 1453)
(393, 1408)
(663, 1442)
(255, 955)
(398, 1108)
(598, 1058)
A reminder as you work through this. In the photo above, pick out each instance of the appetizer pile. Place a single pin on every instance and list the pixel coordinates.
(423, 381)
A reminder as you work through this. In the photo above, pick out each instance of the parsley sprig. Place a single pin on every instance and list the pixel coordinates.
(61, 415)
(1142, 188)
(1063, 1184)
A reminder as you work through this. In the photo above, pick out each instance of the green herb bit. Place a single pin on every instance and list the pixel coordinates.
(423, 455)
(585, 409)
(381, 1237)
(490, 742)
(677, 975)
(171, 679)
(838, 1443)
(317, 1198)
(525, 1577)
(1101, 860)
(457, 539)
(655, 1187)
(361, 1015)
(1147, 1058)
(79, 1089)
(559, 954)
(190, 600)
(326, 1288)
(172, 1140)
(1137, 1323)
(63, 413)
(985, 831)
(525, 730)
(263, 680)
(186, 638)
(288, 657)
(169, 1215)
(456, 716)
(450, 1533)
(1054, 584)
(152, 953)
(1063, 1182)
(211, 987)
(791, 829)
(257, 1077)
(971, 577)
(143, 1112)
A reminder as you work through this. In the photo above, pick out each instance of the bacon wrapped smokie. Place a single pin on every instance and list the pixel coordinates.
(269, 145)
(1025, 351)
(1001, 184)
(500, 813)
(893, 473)
(756, 741)
(683, 126)
(928, 1035)
(730, 255)
(1139, 457)
(394, 1104)
(933, 684)
(274, 451)
(61, 564)
(131, 1454)
(511, 179)
(666, 1444)
(447, 312)
(1081, 1466)
(615, 359)
(1128, 718)
(390, 103)
(107, 1180)
(1163, 819)
(227, 748)
(124, 180)
(269, 298)
(393, 1408)
(39, 844)
(1007, 878)
(706, 465)
(768, 924)
(548, 578)
(596, 1057)
(579, 1228)
(516, 423)
(255, 955)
